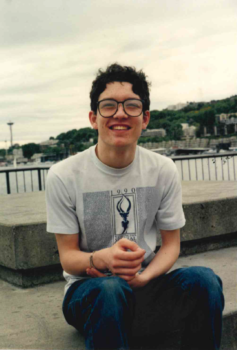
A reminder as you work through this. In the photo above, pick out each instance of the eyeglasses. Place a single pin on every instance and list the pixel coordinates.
(109, 107)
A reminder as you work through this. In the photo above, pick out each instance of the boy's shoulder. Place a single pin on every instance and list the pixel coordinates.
(72, 164)
(155, 158)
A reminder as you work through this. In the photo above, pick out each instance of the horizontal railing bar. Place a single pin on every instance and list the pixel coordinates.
(22, 169)
(184, 159)
(196, 156)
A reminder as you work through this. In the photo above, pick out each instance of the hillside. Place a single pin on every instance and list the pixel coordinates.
(199, 114)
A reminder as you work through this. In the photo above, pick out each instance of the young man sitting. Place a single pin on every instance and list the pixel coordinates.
(106, 206)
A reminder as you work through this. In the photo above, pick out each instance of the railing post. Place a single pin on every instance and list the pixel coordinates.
(8, 183)
(39, 180)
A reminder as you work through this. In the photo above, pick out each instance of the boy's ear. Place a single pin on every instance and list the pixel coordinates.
(93, 120)
(146, 119)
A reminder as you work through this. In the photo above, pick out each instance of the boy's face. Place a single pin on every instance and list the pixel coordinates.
(119, 130)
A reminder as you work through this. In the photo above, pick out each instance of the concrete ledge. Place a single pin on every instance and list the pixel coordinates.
(25, 244)
(209, 219)
(206, 221)
(209, 243)
(32, 277)
(229, 339)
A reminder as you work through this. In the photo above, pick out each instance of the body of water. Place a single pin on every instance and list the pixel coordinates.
(222, 168)
(22, 181)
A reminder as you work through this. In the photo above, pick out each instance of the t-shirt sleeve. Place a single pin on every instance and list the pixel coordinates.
(61, 212)
(170, 214)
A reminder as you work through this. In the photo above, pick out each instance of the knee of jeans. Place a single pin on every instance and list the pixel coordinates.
(202, 279)
(114, 286)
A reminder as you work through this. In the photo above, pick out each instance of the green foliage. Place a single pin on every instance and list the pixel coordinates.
(2, 152)
(199, 114)
(53, 150)
(67, 136)
(73, 136)
(84, 135)
(150, 139)
(80, 147)
(29, 149)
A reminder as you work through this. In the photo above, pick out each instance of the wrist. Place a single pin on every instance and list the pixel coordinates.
(145, 276)
(97, 261)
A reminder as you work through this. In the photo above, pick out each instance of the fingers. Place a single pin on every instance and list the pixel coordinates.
(124, 262)
(129, 256)
(94, 273)
(126, 277)
(117, 263)
(127, 244)
(127, 271)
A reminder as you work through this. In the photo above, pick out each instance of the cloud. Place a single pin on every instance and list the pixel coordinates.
(51, 50)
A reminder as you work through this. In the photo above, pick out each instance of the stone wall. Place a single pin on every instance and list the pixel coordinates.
(192, 143)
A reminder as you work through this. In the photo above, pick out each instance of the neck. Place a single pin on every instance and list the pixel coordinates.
(116, 157)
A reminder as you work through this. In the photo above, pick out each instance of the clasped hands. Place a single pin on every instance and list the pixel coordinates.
(121, 262)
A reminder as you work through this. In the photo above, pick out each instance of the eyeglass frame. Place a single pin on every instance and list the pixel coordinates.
(118, 102)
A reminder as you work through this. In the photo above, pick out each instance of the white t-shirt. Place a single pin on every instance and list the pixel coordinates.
(103, 204)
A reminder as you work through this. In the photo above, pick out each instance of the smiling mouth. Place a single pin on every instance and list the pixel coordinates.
(119, 127)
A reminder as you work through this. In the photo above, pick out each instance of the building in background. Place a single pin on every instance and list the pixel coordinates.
(188, 131)
(49, 143)
(154, 133)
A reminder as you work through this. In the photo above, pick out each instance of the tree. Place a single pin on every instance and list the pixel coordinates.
(54, 150)
(29, 149)
(67, 136)
(175, 131)
(2, 152)
(84, 135)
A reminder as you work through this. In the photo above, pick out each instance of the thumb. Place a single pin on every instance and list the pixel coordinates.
(127, 244)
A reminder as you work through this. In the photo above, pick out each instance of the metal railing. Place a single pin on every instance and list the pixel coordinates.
(21, 179)
(201, 167)
(208, 167)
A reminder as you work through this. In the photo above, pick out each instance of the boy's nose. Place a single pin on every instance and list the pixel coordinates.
(120, 112)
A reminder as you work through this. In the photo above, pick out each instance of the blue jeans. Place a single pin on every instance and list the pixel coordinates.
(110, 315)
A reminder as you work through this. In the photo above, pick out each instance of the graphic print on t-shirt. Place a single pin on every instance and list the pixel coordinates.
(124, 215)
(111, 215)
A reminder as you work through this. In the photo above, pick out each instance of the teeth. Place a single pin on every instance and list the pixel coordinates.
(120, 127)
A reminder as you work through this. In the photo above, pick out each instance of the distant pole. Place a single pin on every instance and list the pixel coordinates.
(6, 146)
(10, 125)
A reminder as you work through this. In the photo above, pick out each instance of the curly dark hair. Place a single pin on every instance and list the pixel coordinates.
(116, 72)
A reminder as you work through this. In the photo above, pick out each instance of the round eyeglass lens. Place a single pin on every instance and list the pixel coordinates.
(133, 107)
(107, 108)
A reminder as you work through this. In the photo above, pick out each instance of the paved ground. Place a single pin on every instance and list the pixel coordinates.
(205, 191)
(30, 207)
(32, 318)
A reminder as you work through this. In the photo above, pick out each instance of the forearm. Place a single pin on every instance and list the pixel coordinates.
(76, 262)
(123, 258)
(162, 262)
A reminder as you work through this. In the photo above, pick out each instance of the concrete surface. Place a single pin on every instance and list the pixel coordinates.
(32, 318)
(204, 191)
(210, 210)
(18, 209)
(209, 218)
(27, 246)
(23, 208)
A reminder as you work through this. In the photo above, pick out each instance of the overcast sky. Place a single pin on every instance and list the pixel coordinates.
(51, 50)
